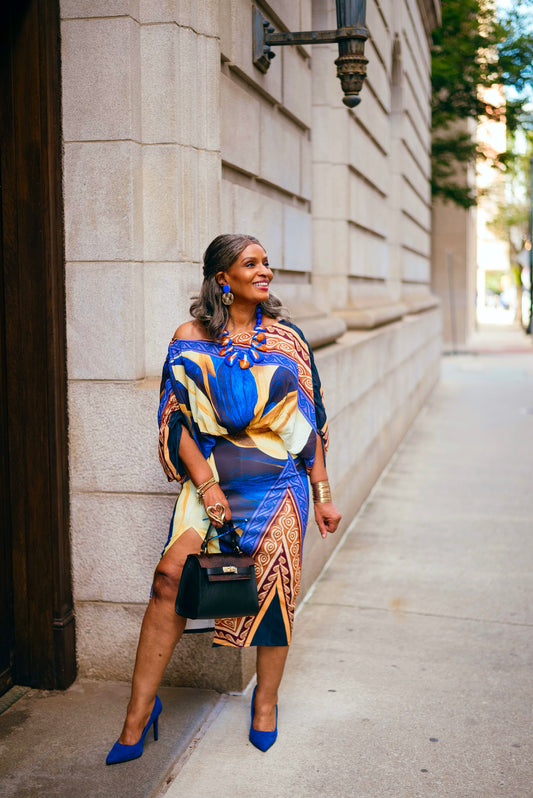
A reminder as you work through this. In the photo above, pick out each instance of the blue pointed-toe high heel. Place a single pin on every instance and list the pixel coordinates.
(262, 739)
(123, 753)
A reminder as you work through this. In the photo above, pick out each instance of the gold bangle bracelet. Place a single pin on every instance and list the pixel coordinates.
(201, 489)
(321, 491)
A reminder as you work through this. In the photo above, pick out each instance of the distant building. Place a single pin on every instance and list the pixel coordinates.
(170, 135)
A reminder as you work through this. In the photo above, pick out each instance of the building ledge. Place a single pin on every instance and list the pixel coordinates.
(417, 303)
(319, 328)
(366, 318)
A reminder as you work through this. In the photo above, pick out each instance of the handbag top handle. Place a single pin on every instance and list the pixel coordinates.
(228, 531)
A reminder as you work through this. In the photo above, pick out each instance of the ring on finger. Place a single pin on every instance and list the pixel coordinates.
(216, 512)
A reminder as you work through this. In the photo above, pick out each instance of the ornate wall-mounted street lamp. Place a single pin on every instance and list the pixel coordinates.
(350, 35)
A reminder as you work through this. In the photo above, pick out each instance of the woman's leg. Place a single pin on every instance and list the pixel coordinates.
(161, 629)
(270, 664)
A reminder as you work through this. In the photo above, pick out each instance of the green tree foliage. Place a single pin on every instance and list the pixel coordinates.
(475, 47)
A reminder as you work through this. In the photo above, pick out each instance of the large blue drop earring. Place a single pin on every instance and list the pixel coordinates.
(227, 296)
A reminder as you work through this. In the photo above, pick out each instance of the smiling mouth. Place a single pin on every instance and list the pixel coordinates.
(261, 285)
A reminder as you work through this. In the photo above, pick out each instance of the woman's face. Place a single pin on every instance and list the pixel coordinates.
(249, 275)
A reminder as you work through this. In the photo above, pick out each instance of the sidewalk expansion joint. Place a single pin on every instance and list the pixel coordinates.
(402, 611)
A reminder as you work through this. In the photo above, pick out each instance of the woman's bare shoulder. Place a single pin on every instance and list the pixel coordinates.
(191, 331)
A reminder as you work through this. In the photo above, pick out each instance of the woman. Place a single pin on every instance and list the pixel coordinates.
(242, 426)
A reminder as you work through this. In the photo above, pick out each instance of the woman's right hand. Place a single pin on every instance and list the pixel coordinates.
(213, 496)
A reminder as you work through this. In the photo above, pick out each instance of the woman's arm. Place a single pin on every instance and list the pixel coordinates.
(200, 471)
(326, 514)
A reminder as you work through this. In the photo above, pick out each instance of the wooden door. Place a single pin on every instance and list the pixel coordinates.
(37, 638)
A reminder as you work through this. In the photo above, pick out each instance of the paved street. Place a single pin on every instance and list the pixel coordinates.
(411, 671)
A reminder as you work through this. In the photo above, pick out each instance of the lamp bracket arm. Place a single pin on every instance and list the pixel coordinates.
(315, 37)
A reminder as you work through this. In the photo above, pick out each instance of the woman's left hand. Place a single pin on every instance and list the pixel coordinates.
(327, 517)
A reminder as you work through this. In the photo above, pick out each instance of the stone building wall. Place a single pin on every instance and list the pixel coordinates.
(171, 136)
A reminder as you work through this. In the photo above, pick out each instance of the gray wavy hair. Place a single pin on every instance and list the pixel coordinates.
(208, 308)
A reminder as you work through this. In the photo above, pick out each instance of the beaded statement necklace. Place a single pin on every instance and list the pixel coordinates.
(254, 354)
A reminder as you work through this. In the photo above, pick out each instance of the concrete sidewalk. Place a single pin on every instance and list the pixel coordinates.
(410, 673)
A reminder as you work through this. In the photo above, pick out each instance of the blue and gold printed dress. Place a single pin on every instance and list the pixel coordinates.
(257, 429)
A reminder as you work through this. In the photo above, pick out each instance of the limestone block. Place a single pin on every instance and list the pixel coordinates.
(323, 15)
(330, 191)
(306, 15)
(330, 290)
(168, 291)
(288, 12)
(200, 15)
(379, 27)
(388, 8)
(369, 159)
(418, 86)
(110, 531)
(209, 180)
(306, 168)
(416, 267)
(366, 206)
(105, 310)
(262, 217)
(418, 149)
(225, 29)
(297, 85)
(297, 239)
(363, 292)
(414, 236)
(190, 245)
(200, 75)
(296, 294)
(211, 93)
(191, 76)
(99, 8)
(414, 205)
(151, 11)
(375, 121)
(160, 110)
(412, 106)
(377, 80)
(240, 126)
(100, 79)
(198, 72)
(236, 46)
(163, 194)
(414, 32)
(280, 150)
(369, 254)
(227, 216)
(411, 169)
(327, 91)
(331, 131)
(106, 642)
(103, 201)
(113, 437)
(330, 246)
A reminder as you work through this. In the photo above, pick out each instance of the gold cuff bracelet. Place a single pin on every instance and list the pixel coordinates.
(321, 491)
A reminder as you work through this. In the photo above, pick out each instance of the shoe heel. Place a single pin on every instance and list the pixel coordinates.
(156, 729)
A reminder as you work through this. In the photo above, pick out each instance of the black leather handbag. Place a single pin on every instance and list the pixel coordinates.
(218, 585)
